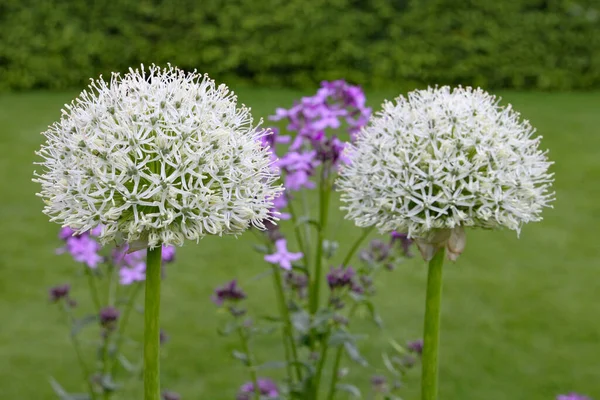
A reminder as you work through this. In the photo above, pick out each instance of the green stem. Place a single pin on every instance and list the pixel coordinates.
(287, 325)
(320, 365)
(324, 195)
(77, 347)
(299, 235)
(246, 349)
(356, 245)
(307, 235)
(106, 363)
(338, 359)
(151, 326)
(431, 336)
(123, 325)
(93, 288)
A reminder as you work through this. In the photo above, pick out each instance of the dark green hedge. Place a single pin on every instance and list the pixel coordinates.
(491, 43)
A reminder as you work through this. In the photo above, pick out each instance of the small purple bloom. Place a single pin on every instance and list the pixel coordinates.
(415, 346)
(572, 396)
(266, 387)
(378, 382)
(282, 256)
(163, 338)
(59, 292)
(297, 283)
(129, 275)
(109, 317)
(168, 254)
(340, 277)
(168, 395)
(404, 241)
(84, 249)
(65, 233)
(228, 292)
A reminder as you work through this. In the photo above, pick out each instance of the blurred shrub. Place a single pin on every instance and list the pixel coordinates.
(492, 43)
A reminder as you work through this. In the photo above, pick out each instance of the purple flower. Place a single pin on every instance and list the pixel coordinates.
(378, 382)
(340, 277)
(109, 317)
(297, 282)
(282, 256)
(331, 149)
(404, 241)
(298, 167)
(266, 387)
(129, 275)
(572, 396)
(415, 346)
(279, 203)
(84, 249)
(65, 233)
(168, 395)
(168, 254)
(228, 292)
(59, 292)
(163, 337)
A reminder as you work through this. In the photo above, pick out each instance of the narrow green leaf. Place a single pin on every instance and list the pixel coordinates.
(354, 354)
(272, 365)
(243, 357)
(353, 390)
(81, 323)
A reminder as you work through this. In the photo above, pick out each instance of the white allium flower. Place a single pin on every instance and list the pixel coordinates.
(156, 156)
(441, 160)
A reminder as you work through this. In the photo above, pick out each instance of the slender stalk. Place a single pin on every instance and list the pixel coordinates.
(151, 326)
(77, 346)
(338, 358)
(93, 288)
(431, 336)
(320, 365)
(297, 231)
(246, 349)
(106, 363)
(324, 196)
(356, 245)
(123, 325)
(287, 325)
(307, 235)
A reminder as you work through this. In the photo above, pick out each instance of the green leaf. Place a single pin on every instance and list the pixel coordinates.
(373, 313)
(307, 220)
(322, 318)
(243, 357)
(330, 247)
(354, 354)
(301, 321)
(63, 394)
(81, 323)
(353, 390)
(389, 365)
(127, 365)
(262, 275)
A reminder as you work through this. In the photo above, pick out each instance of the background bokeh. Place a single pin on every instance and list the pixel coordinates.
(520, 314)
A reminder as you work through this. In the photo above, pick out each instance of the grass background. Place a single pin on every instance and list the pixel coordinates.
(520, 316)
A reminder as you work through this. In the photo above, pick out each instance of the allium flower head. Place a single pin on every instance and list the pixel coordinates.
(156, 156)
(442, 159)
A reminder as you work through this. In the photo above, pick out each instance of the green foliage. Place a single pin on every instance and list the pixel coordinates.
(551, 44)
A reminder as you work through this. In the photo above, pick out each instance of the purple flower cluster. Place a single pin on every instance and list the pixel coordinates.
(415, 346)
(82, 247)
(572, 396)
(132, 266)
(108, 317)
(298, 283)
(229, 292)
(168, 395)
(267, 388)
(404, 241)
(334, 103)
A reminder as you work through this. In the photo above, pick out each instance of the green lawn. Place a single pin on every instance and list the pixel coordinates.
(521, 317)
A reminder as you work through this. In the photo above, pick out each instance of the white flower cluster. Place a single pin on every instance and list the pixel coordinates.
(156, 156)
(444, 159)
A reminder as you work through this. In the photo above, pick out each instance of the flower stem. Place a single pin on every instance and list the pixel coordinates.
(93, 288)
(76, 345)
(123, 325)
(299, 235)
(431, 336)
(324, 195)
(338, 358)
(356, 245)
(151, 325)
(287, 326)
(246, 349)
